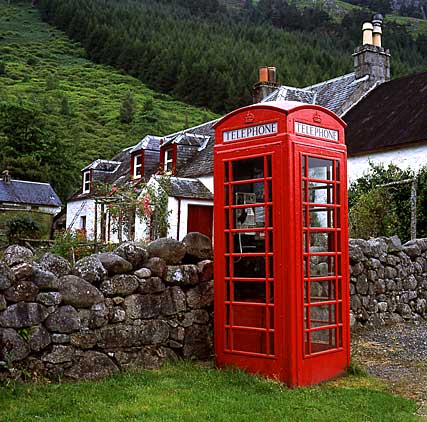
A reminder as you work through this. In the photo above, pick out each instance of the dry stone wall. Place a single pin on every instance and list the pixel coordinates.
(388, 281)
(134, 307)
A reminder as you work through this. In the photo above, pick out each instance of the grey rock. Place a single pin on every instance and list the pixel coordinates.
(117, 315)
(44, 279)
(114, 264)
(7, 278)
(60, 338)
(55, 264)
(98, 315)
(410, 283)
(132, 252)
(377, 247)
(3, 303)
(393, 244)
(353, 320)
(142, 306)
(65, 319)
(143, 273)
(152, 285)
(156, 357)
(23, 271)
(201, 296)
(16, 254)
(177, 333)
(411, 249)
(355, 303)
(13, 347)
(404, 310)
(171, 250)
(91, 365)
(205, 269)
(380, 286)
(197, 342)
(382, 306)
(157, 266)
(182, 275)
(49, 298)
(78, 292)
(39, 338)
(90, 269)
(421, 306)
(395, 318)
(83, 340)
(356, 269)
(390, 273)
(173, 301)
(59, 354)
(120, 285)
(23, 314)
(21, 291)
(119, 336)
(154, 332)
(198, 247)
(362, 284)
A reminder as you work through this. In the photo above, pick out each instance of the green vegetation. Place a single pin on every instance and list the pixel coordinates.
(59, 111)
(25, 224)
(378, 210)
(189, 392)
(207, 54)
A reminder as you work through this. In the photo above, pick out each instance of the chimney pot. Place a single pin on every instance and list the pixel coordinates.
(272, 74)
(367, 29)
(6, 176)
(263, 74)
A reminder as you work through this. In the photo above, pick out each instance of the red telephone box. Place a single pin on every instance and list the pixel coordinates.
(281, 242)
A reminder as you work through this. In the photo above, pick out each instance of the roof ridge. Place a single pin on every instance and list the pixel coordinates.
(330, 80)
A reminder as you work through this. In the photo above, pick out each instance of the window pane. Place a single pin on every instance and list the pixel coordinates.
(249, 341)
(249, 217)
(250, 168)
(321, 217)
(322, 315)
(250, 267)
(319, 168)
(249, 242)
(249, 291)
(248, 193)
(323, 340)
(249, 316)
(321, 193)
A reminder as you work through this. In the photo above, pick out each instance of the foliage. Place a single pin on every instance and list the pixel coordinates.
(71, 246)
(142, 200)
(190, 392)
(21, 228)
(65, 135)
(377, 210)
(127, 110)
(207, 54)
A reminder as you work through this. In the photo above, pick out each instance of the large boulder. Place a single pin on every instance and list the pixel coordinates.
(55, 264)
(133, 253)
(7, 278)
(157, 266)
(114, 264)
(90, 269)
(49, 298)
(197, 342)
(21, 291)
(182, 275)
(201, 296)
(206, 270)
(22, 271)
(198, 247)
(59, 354)
(154, 332)
(79, 293)
(142, 306)
(120, 285)
(16, 254)
(13, 347)
(91, 365)
(118, 336)
(171, 250)
(39, 338)
(23, 314)
(44, 279)
(64, 320)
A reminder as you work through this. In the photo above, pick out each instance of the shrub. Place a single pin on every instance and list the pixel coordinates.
(21, 227)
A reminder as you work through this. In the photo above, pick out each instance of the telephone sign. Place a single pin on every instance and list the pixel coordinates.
(281, 242)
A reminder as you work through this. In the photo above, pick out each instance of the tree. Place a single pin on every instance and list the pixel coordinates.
(127, 109)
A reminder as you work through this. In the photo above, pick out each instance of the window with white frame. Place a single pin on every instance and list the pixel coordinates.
(86, 182)
(168, 161)
(137, 166)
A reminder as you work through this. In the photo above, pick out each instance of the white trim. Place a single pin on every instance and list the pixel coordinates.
(86, 182)
(137, 166)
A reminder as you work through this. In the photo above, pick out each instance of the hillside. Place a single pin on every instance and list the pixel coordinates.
(207, 54)
(59, 110)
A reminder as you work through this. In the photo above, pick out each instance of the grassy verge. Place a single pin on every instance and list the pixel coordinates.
(190, 392)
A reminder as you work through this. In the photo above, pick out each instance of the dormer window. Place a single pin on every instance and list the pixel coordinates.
(86, 181)
(138, 165)
(169, 160)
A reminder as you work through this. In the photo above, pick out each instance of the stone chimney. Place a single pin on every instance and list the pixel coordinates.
(371, 58)
(266, 84)
(6, 176)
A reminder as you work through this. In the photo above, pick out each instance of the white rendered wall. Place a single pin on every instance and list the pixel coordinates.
(208, 182)
(87, 211)
(414, 157)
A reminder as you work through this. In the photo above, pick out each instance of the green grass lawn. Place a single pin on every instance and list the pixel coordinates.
(191, 392)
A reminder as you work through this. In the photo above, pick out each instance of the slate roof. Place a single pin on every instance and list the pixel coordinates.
(149, 142)
(392, 115)
(189, 188)
(333, 94)
(31, 193)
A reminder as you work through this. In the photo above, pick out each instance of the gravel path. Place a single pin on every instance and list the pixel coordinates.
(398, 355)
